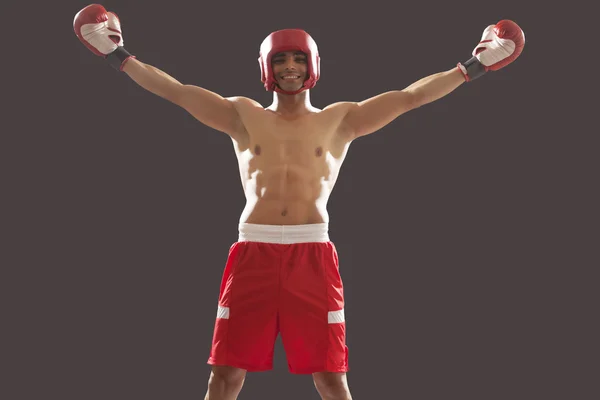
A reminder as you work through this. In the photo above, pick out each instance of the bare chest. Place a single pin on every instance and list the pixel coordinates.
(303, 140)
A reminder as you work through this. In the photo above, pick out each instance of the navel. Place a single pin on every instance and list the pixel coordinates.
(257, 150)
(284, 212)
(319, 151)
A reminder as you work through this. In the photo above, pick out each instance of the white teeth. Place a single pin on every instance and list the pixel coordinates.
(291, 77)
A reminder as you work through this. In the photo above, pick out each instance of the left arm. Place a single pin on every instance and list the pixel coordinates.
(435, 86)
(373, 114)
(499, 46)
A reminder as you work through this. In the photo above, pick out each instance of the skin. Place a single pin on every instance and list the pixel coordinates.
(289, 156)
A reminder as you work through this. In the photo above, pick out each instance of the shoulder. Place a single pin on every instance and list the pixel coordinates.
(340, 111)
(243, 107)
(241, 101)
(341, 107)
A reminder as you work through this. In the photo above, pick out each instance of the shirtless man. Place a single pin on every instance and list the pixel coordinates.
(282, 275)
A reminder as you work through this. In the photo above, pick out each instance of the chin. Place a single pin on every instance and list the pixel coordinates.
(290, 88)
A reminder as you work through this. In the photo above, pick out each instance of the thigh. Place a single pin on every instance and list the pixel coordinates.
(246, 325)
(312, 321)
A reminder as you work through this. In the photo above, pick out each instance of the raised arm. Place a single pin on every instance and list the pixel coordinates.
(373, 114)
(100, 31)
(209, 108)
(500, 45)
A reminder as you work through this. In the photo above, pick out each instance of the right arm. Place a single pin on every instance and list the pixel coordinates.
(100, 31)
(209, 108)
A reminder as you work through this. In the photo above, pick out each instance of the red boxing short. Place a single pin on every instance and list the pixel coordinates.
(281, 279)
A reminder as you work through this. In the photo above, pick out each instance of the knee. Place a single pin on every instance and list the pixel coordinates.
(332, 386)
(227, 378)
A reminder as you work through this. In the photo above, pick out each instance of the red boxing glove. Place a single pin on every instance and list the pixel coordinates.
(500, 45)
(100, 31)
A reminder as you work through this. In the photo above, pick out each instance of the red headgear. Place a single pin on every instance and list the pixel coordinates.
(288, 40)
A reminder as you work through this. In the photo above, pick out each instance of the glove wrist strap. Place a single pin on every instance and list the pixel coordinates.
(472, 68)
(117, 58)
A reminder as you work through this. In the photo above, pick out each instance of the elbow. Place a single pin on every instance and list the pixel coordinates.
(415, 99)
(175, 93)
(410, 99)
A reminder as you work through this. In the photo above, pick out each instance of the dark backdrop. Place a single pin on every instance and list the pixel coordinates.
(467, 229)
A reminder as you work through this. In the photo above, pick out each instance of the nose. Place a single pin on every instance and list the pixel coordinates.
(289, 63)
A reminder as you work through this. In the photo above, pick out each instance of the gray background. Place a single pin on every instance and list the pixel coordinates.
(467, 229)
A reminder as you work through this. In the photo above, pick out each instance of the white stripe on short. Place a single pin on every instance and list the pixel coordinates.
(335, 317)
(223, 312)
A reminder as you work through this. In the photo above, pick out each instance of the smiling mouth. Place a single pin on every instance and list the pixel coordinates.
(290, 77)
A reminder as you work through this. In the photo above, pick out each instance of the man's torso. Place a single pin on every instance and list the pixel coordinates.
(288, 167)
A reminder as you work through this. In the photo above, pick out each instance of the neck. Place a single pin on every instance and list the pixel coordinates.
(296, 104)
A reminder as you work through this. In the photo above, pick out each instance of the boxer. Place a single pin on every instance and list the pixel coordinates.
(282, 274)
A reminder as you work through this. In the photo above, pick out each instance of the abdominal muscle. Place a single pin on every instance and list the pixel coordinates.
(286, 194)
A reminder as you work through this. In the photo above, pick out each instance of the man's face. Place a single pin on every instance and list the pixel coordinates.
(290, 69)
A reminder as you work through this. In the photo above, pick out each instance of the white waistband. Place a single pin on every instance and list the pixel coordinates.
(284, 234)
